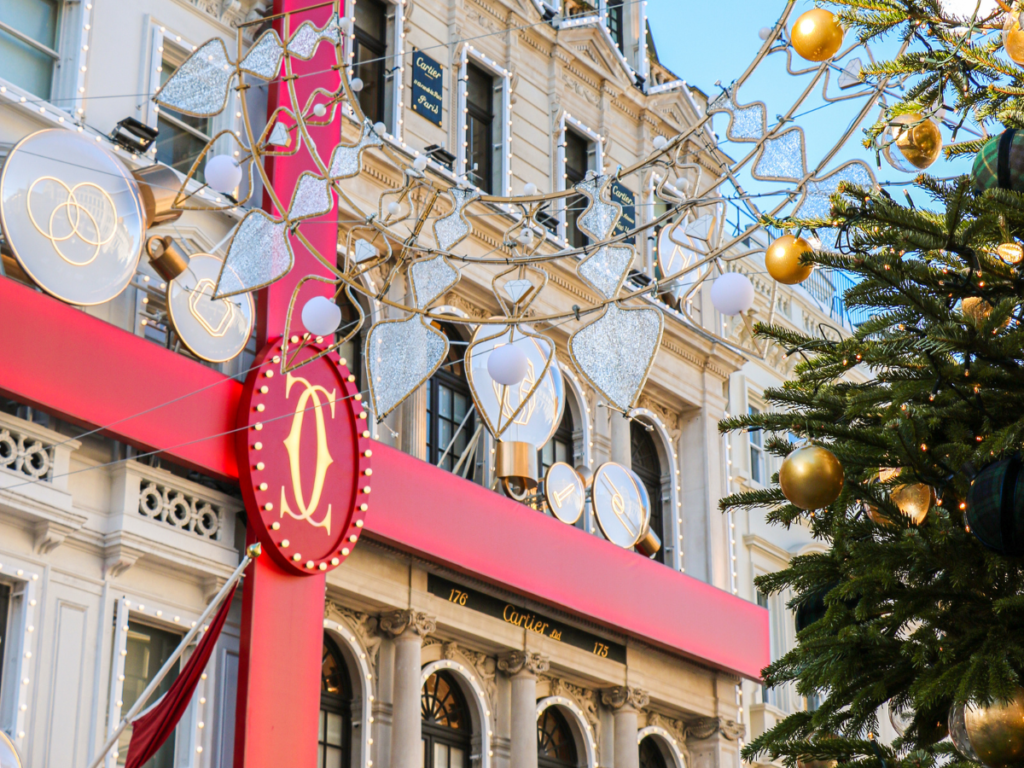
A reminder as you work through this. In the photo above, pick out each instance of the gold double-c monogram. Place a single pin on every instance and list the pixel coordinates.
(292, 444)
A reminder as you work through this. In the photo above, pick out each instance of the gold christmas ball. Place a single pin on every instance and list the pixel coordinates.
(1013, 39)
(811, 477)
(1011, 253)
(997, 732)
(918, 140)
(816, 763)
(783, 260)
(817, 35)
(913, 499)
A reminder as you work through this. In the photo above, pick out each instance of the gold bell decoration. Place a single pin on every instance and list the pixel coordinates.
(1013, 39)
(783, 259)
(918, 139)
(1011, 253)
(811, 477)
(992, 735)
(817, 35)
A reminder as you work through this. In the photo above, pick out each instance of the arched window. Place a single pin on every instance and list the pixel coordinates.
(559, 447)
(447, 729)
(647, 466)
(651, 755)
(556, 747)
(335, 710)
(448, 402)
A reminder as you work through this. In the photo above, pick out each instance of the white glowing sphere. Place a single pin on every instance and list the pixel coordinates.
(394, 208)
(530, 189)
(223, 174)
(526, 236)
(380, 129)
(660, 142)
(356, 83)
(964, 9)
(420, 163)
(320, 110)
(508, 364)
(764, 33)
(732, 293)
(321, 316)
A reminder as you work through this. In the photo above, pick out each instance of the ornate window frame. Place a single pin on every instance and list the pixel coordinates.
(586, 742)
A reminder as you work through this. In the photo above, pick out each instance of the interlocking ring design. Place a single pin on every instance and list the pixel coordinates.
(77, 218)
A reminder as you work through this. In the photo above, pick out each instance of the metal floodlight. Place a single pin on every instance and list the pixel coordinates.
(133, 135)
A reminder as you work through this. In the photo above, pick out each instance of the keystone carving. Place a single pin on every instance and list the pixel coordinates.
(396, 623)
(624, 696)
(514, 662)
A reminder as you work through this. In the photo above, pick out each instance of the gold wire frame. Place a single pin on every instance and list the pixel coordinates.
(367, 356)
(288, 362)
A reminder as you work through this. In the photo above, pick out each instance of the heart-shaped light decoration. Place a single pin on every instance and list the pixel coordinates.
(529, 411)
(400, 356)
(289, 361)
(199, 87)
(259, 254)
(606, 269)
(312, 197)
(615, 352)
(431, 278)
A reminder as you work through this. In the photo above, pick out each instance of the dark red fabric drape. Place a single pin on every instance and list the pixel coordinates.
(150, 731)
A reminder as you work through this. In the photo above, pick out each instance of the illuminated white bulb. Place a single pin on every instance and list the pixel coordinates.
(660, 142)
(530, 189)
(321, 316)
(764, 33)
(420, 163)
(379, 128)
(507, 364)
(320, 110)
(356, 84)
(394, 208)
(222, 173)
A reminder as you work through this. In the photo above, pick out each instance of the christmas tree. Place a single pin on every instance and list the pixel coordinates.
(918, 603)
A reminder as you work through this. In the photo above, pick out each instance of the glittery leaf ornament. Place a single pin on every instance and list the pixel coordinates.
(258, 255)
(199, 86)
(400, 356)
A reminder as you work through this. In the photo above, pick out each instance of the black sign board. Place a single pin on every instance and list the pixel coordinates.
(627, 222)
(427, 87)
(520, 617)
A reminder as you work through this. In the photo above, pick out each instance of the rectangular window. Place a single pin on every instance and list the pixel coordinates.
(483, 161)
(767, 694)
(5, 610)
(756, 438)
(615, 22)
(28, 43)
(148, 649)
(371, 47)
(182, 137)
(580, 157)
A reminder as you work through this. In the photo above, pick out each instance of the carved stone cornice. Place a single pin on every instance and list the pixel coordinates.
(397, 623)
(516, 662)
(706, 727)
(622, 696)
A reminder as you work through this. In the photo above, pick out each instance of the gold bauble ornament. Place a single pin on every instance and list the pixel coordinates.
(913, 499)
(817, 35)
(1013, 39)
(997, 732)
(783, 260)
(1011, 253)
(918, 140)
(811, 477)
(816, 763)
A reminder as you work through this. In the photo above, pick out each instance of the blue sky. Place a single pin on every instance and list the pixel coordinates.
(704, 42)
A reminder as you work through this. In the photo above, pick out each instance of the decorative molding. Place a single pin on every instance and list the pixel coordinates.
(397, 623)
(625, 696)
(517, 662)
(587, 700)
(668, 417)
(484, 666)
(675, 727)
(577, 87)
(706, 727)
(50, 534)
(119, 558)
(362, 625)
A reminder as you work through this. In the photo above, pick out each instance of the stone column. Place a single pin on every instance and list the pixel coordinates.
(625, 702)
(522, 667)
(622, 445)
(408, 628)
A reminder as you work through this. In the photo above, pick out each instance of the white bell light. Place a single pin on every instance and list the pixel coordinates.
(223, 174)
(420, 163)
(321, 316)
(530, 189)
(356, 83)
(526, 236)
(508, 364)
(380, 129)
(660, 142)
(394, 208)
(320, 110)
(732, 293)
(764, 33)
(540, 417)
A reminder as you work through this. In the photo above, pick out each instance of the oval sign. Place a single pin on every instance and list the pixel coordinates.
(619, 505)
(304, 459)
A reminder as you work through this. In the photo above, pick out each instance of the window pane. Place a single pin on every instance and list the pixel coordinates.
(333, 758)
(148, 650)
(333, 728)
(423, 756)
(201, 124)
(445, 404)
(460, 407)
(24, 66)
(371, 19)
(444, 435)
(458, 758)
(370, 68)
(320, 755)
(323, 717)
(178, 148)
(440, 756)
(35, 18)
(576, 151)
(562, 452)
